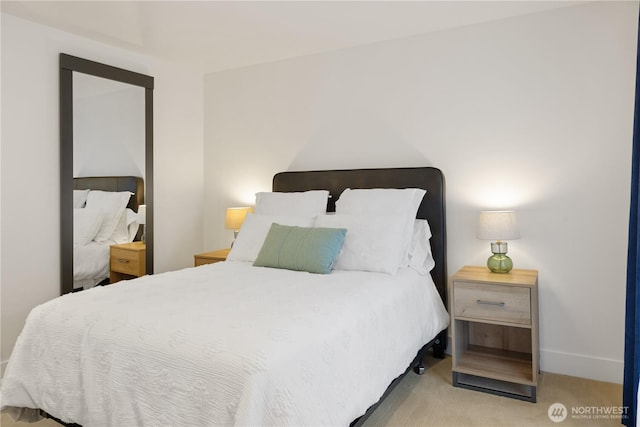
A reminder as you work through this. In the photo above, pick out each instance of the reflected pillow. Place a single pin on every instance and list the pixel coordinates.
(305, 203)
(111, 204)
(313, 250)
(86, 224)
(126, 228)
(79, 198)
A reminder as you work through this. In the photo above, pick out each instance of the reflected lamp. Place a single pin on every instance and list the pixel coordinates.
(498, 226)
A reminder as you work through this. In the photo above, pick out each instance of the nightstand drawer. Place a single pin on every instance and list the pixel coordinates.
(496, 303)
(127, 260)
(124, 261)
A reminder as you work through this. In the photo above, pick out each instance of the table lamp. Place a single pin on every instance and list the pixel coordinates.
(498, 226)
(234, 219)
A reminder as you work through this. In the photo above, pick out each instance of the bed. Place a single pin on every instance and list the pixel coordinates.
(91, 254)
(236, 344)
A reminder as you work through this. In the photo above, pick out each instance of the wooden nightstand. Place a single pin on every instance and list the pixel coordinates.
(127, 261)
(210, 257)
(495, 332)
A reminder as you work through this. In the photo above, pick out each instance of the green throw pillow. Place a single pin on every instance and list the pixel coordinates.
(301, 248)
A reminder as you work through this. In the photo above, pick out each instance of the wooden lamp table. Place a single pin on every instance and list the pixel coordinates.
(495, 332)
(210, 257)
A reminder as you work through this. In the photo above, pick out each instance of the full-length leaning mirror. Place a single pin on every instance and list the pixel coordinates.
(106, 173)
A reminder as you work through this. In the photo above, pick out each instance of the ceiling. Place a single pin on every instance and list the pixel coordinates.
(217, 35)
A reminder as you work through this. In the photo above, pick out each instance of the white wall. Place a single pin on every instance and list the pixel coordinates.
(108, 130)
(533, 113)
(30, 167)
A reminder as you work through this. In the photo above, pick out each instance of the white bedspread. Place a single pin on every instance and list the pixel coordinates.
(223, 344)
(90, 264)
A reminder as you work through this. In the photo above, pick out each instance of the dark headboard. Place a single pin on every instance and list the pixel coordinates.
(114, 183)
(427, 178)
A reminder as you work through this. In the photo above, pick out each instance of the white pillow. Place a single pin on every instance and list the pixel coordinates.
(86, 224)
(111, 204)
(122, 233)
(132, 224)
(420, 256)
(372, 243)
(79, 198)
(380, 201)
(302, 204)
(385, 201)
(254, 230)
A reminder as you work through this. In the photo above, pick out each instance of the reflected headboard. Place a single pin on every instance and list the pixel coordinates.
(133, 184)
(432, 207)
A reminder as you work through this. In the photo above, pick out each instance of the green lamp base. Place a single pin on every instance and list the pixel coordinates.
(499, 263)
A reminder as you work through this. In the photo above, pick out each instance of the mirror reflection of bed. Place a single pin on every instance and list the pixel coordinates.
(105, 214)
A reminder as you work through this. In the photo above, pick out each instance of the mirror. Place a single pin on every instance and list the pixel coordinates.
(108, 127)
(106, 130)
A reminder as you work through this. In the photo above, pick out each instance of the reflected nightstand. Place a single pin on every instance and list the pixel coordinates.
(127, 261)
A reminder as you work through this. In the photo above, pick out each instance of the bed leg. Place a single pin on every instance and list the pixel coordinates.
(439, 345)
(419, 368)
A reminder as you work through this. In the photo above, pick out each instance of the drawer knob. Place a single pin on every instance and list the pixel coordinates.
(484, 302)
(124, 261)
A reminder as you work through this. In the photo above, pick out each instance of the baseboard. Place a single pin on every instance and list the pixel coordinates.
(579, 365)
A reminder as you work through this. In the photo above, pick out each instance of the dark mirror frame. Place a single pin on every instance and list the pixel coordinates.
(69, 64)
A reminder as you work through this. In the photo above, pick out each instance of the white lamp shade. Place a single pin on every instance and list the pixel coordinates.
(142, 214)
(235, 217)
(498, 225)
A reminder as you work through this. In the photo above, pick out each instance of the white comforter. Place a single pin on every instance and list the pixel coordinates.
(223, 344)
(90, 264)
